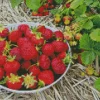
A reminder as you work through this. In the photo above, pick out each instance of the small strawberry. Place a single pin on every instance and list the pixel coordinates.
(34, 70)
(78, 36)
(26, 65)
(28, 34)
(59, 35)
(47, 34)
(46, 6)
(46, 77)
(48, 49)
(14, 36)
(11, 66)
(68, 5)
(41, 9)
(28, 51)
(14, 82)
(62, 55)
(4, 32)
(57, 19)
(16, 52)
(58, 66)
(2, 46)
(30, 81)
(2, 60)
(1, 73)
(41, 29)
(34, 13)
(50, 1)
(23, 27)
(60, 46)
(22, 41)
(44, 62)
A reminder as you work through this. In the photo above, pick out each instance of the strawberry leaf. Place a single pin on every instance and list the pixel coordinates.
(88, 57)
(33, 4)
(97, 84)
(15, 3)
(58, 1)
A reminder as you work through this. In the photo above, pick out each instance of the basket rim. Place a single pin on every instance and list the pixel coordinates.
(48, 86)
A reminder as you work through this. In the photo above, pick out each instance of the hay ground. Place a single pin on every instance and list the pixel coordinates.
(72, 87)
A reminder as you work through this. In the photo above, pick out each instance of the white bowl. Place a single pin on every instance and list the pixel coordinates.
(14, 26)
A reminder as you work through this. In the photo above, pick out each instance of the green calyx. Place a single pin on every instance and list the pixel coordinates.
(41, 84)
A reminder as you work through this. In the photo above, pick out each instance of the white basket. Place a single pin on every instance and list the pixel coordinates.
(14, 26)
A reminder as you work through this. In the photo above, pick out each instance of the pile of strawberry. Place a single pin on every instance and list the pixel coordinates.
(44, 9)
(31, 57)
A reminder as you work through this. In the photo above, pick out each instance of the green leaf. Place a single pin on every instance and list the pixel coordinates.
(76, 3)
(80, 10)
(95, 35)
(97, 84)
(95, 3)
(85, 42)
(88, 57)
(33, 4)
(88, 2)
(15, 3)
(58, 1)
(88, 25)
(3, 81)
(54, 11)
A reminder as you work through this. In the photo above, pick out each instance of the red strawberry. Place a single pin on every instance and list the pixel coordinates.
(2, 46)
(1, 73)
(41, 9)
(39, 14)
(14, 36)
(14, 82)
(16, 52)
(68, 5)
(4, 33)
(46, 76)
(44, 62)
(60, 46)
(2, 60)
(30, 81)
(48, 49)
(50, 1)
(12, 66)
(23, 28)
(47, 34)
(22, 41)
(46, 6)
(41, 29)
(26, 65)
(62, 55)
(45, 13)
(28, 51)
(34, 70)
(28, 33)
(59, 35)
(58, 66)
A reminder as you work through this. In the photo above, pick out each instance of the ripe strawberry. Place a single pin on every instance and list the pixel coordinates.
(44, 62)
(14, 82)
(39, 14)
(23, 27)
(28, 51)
(58, 66)
(41, 9)
(45, 13)
(16, 52)
(2, 60)
(62, 55)
(30, 81)
(26, 65)
(59, 35)
(2, 46)
(14, 36)
(68, 5)
(48, 49)
(47, 77)
(11, 66)
(41, 29)
(47, 34)
(60, 46)
(1, 73)
(46, 6)
(4, 33)
(22, 41)
(34, 70)
(50, 1)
